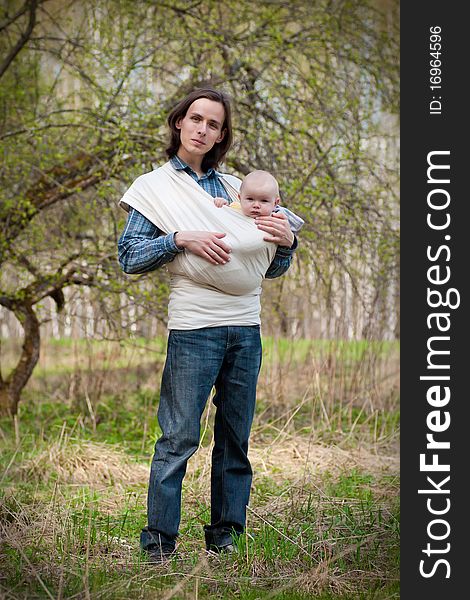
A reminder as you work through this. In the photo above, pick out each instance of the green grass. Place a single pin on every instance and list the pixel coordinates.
(61, 356)
(344, 350)
(74, 478)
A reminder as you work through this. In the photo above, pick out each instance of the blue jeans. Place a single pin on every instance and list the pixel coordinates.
(228, 358)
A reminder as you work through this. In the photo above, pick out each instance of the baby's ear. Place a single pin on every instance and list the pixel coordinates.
(239, 197)
(276, 202)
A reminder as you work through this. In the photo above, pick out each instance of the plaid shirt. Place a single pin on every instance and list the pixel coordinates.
(143, 247)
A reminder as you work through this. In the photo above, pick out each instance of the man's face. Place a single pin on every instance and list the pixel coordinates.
(200, 128)
(258, 200)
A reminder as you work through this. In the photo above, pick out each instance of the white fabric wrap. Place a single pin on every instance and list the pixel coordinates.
(202, 294)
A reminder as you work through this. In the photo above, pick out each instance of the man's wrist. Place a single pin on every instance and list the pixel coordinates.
(286, 250)
(178, 246)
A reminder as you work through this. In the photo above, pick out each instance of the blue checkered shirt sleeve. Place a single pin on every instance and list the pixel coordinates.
(143, 246)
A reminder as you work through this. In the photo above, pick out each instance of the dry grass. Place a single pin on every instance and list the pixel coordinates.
(298, 460)
(325, 462)
(81, 462)
(63, 551)
(99, 465)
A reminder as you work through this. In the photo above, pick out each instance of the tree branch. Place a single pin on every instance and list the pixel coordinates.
(33, 4)
(9, 20)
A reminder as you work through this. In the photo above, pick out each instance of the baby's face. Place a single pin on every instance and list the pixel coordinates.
(258, 201)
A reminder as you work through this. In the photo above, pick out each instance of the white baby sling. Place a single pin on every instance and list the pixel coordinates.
(173, 201)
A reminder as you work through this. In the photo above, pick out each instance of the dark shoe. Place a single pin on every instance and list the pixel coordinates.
(219, 540)
(228, 549)
(160, 554)
(159, 548)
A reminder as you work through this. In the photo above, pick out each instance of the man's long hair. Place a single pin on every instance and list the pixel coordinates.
(217, 153)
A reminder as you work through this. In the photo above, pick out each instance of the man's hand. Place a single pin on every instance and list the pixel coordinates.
(206, 244)
(219, 202)
(278, 228)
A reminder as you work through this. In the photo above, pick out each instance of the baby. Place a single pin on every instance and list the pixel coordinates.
(259, 197)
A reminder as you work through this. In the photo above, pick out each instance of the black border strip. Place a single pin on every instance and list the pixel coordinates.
(424, 131)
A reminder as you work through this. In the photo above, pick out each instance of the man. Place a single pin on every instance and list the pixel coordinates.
(217, 342)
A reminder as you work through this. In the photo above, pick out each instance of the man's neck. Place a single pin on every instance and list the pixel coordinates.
(194, 162)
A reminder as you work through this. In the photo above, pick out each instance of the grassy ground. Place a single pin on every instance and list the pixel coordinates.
(323, 520)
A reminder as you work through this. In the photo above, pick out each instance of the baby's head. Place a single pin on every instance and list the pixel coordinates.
(259, 194)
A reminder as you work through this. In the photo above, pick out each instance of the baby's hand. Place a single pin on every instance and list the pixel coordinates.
(219, 202)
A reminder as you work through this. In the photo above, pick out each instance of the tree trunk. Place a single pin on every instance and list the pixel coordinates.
(12, 386)
(8, 401)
